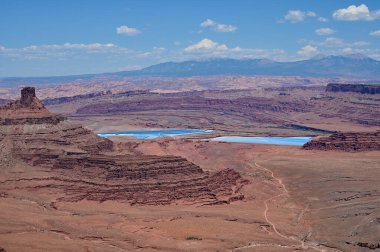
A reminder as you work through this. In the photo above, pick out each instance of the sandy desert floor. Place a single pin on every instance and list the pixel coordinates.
(297, 200)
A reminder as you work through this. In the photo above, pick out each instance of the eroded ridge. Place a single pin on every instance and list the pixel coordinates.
(353, 141)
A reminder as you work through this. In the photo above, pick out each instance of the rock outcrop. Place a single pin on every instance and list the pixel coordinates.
(27, 110)
(28, 102)
(4, 102)
(354, 141)
(84, 166)
(356, 88)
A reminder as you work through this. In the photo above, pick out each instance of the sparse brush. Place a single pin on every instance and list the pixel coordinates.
(192, 238)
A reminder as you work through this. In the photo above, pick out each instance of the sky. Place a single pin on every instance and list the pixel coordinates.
(49, 38)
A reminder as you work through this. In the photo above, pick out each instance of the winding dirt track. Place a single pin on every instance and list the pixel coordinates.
(284, 192)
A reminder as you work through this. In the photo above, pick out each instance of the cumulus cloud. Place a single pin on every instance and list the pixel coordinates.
(206, 45)
(370, 52)
(322, 19)
(356, 13)
(338, 42)
(307, 51)
(207, 48)
(333, 43)
(359, 43)
(155, 52)
(347, 50)
(209, 23)
(375, 33)
(324, 31)
(125, 30)
(311, 14)
(296, 16)
(60, 51)
(94, 46)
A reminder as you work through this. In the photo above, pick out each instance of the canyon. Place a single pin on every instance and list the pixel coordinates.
(189, 126)
(63, 188)
(271, 110)
(38, 138)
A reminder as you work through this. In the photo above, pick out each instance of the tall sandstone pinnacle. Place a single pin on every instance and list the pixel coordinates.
(29, 99)
(27, 110)
(83, 166)
(28, 102)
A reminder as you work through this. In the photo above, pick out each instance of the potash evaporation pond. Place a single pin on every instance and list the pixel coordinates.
(152, 134)
(294, 141)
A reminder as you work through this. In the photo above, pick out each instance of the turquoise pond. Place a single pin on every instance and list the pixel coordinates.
(152, 134)
(295, 141)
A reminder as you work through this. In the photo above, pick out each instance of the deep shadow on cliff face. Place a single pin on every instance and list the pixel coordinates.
(356, 88)
(84, 166)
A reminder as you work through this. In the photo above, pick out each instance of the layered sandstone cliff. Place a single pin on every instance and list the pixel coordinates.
(354, 141)
(82, 165)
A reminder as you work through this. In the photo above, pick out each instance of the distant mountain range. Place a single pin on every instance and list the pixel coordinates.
(350, 66)
(347, 66)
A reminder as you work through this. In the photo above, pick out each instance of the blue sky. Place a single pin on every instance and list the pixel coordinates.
(43, 37)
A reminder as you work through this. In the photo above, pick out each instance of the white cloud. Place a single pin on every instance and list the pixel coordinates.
(66, 46)
(324, 31)
(155, 52)
(295, 16)
(359, 43)
(207, 48)
(307, 51)
(209, 23)
(94, 46)
(322, 19)
(347, 50)
(332, 42)
(375, 33)
(356, 13)
(373, 53)
(61, 51)
(336, 42)
(125, 30)
(206, 44)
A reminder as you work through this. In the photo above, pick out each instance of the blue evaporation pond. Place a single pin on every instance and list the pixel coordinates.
(151, 134)
(295, 141)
